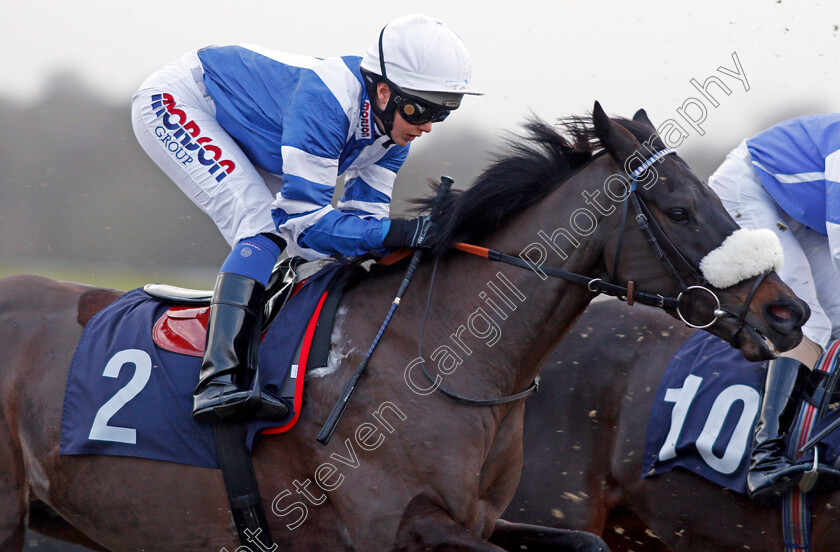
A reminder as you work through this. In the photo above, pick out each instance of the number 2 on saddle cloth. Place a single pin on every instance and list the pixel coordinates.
(126, 396)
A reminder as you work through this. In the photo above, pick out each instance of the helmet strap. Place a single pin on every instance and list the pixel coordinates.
(385, 116)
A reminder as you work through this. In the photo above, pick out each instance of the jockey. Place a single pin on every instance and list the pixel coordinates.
(787, 179)
(226, 123)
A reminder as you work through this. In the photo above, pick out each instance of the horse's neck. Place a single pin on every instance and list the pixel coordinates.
(531, 314)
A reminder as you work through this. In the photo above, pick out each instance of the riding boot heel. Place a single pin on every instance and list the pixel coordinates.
(270, 407)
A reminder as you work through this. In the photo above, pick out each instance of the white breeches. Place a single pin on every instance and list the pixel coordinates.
(808, 267)
(174, 120)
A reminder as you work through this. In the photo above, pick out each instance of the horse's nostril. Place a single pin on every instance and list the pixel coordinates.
(781, 312)
(785, 315)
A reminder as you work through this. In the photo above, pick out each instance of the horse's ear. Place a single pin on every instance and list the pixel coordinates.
(617, 140)
(641, 116)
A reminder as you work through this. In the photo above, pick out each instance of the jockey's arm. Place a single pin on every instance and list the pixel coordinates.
(312, 146)
(832, 207)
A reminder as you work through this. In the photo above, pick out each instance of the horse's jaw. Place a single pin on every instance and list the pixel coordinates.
(755, 345)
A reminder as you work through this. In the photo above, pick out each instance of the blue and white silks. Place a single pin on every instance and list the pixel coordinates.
(309, 120)
(798, 163)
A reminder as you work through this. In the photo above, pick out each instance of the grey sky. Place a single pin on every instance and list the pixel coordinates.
(550, 57)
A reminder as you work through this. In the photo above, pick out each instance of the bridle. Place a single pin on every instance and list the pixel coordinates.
(663, 249)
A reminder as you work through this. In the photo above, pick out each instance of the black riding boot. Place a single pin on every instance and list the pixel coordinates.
(228, 385)
(771, 471)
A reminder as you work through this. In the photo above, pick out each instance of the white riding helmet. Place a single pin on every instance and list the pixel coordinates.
(424, 58)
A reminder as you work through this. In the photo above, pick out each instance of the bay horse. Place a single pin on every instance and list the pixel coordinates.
(407, 469)
(584, 441)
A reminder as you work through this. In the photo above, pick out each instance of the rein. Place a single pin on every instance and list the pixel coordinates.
(329, 426)
(656, 239)
(595, 285)
(535, 386)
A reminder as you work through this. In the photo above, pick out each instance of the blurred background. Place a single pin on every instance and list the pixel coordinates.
(79, 199)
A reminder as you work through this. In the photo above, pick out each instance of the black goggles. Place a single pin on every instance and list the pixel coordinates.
(418, 112)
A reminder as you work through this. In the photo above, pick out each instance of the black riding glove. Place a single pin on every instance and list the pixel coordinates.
(411, 233)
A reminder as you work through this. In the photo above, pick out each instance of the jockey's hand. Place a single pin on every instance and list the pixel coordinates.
(411, 233)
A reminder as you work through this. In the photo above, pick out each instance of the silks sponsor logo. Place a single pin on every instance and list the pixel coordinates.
(182, 138)
(364, 130)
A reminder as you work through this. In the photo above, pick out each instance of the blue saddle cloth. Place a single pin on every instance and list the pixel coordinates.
(125, 396)
(704, 412)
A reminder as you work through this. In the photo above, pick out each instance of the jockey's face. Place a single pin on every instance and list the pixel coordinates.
(402, 131)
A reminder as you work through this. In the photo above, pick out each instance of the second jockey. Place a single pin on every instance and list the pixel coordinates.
(787, 179)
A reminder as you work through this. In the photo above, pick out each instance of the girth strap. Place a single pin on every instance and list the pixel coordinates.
(241, 484)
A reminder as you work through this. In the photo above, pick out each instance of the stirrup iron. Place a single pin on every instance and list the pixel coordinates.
(809, 478)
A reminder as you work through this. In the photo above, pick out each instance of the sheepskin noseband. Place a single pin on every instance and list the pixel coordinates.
(742, 255)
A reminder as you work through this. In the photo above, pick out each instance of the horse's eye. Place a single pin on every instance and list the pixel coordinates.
(678, 215)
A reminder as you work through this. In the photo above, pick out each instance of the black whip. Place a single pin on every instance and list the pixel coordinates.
(338, 410)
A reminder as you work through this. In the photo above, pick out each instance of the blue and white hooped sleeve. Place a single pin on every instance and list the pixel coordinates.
(368, 189)
(832, 206)
(315, 129)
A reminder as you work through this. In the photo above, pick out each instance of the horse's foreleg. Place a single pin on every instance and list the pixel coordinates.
(426, 526)
(45, 521)
(534, 538)
(12, 528)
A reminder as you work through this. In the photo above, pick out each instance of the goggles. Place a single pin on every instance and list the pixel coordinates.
(416, 111)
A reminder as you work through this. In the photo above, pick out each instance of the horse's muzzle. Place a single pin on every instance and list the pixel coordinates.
(779, 329)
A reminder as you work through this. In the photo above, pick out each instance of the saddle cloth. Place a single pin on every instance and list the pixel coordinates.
(704, 412)
(126, 396)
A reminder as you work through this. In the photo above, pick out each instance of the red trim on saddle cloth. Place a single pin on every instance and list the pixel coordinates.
(302, 360)
(184, 330)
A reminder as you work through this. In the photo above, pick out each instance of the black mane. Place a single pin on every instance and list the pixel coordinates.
(537, 162)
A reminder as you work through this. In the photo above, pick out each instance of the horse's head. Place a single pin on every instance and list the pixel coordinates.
(725, 280)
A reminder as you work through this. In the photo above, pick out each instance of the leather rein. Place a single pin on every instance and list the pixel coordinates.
(663, 249)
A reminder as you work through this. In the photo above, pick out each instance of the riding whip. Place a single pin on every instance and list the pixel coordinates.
(338, 410)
